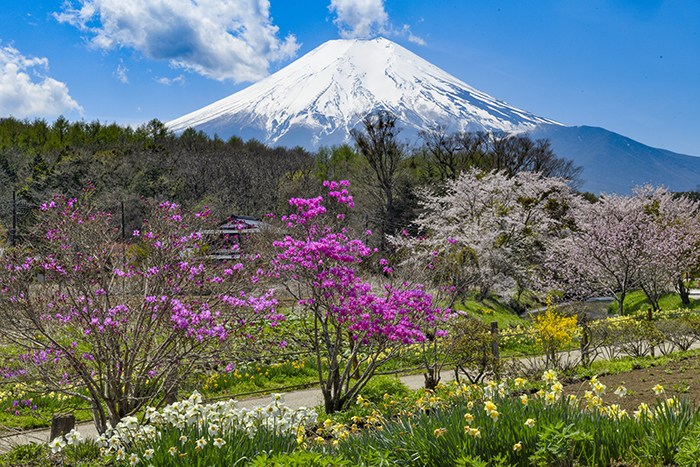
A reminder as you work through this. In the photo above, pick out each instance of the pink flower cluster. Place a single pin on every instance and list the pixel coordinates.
(324, 260)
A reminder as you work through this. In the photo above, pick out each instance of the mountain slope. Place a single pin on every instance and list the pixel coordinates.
(325, 93)
(317, 100)
(613, 163)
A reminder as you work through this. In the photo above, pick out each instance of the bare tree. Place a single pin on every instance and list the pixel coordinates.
(380, 147)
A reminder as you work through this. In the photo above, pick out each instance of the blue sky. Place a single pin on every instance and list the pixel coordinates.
(630, 66)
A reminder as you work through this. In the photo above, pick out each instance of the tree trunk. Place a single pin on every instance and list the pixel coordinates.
(432, 378)
(620, 303)
(683, 291)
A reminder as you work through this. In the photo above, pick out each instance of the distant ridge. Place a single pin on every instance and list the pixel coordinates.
(613, 163)
(320, 97)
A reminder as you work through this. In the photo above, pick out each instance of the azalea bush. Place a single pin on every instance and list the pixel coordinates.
(116, 325)
(350, 324)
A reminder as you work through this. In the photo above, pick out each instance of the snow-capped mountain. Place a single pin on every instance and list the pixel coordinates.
(321, 96)
(317, 100)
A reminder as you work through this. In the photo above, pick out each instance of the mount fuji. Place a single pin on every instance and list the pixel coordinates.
(320, 97)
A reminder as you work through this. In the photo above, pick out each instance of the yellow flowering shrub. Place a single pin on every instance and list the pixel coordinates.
(553, 331)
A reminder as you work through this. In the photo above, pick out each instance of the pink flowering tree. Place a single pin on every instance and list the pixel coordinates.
(671, 242)
(352, 325)
(119, 326)
(647, 240)
(482, 232)
(487, 232)
(600, 256)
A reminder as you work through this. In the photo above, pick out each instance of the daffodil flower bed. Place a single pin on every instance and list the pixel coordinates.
(191, 433)
(457, 424)
(509, 423)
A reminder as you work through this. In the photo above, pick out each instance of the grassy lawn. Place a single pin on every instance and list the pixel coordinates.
(636, 301)
(491, 309)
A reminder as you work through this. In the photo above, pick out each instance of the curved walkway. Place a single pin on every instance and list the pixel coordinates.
(294, 400)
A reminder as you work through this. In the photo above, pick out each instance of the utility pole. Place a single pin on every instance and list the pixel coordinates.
(14, 218)
(123, 225)
(366, 229)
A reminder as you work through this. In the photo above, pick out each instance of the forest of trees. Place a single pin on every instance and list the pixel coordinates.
(494, 213)
(39, 159)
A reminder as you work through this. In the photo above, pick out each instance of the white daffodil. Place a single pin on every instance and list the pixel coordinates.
(218, 442)
(57, 444)
(73, 437)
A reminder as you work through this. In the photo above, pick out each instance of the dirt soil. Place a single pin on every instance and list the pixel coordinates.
(680, 380)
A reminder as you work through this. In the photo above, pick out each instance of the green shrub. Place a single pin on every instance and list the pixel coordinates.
(688, 454)
(299, 459)
(379, 385)
(470, 349)
(26, 454)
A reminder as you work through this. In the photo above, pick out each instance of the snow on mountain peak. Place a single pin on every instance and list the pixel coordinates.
(321, 96)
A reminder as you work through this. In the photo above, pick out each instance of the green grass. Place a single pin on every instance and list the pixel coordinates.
(636, 301)
(28, 410)
(491, 309)
(254, 377)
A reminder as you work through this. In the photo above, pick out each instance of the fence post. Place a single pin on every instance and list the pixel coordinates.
(650, 318)
(494, 340)
(585, 341)
(61, 424)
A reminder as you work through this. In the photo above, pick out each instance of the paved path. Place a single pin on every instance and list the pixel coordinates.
(294, 400)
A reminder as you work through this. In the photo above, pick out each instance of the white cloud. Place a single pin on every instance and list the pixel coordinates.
(167, 81)
(411, 37)
(21, 97)
(121, 74)
(363, 19)
(359, 18)
(220, 39)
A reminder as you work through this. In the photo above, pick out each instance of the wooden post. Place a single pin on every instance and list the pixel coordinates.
(650, 318)
(61, 424)
(494, 340)
(14, 219)
(585, 341)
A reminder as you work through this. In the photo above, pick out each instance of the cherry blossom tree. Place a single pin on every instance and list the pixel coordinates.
(671, 241)
(488, 231)
(351, 325)
(116, 325)
(601, 254)
(646, 240)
